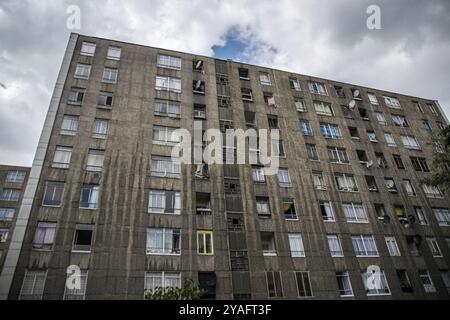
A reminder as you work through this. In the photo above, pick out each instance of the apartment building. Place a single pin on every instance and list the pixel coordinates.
(12, 186)
(109, 198)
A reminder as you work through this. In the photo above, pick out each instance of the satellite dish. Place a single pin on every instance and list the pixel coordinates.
(352, 104)
(369, 164)
(390, 184)
(198, 84)
(199, 64)
(356, 94)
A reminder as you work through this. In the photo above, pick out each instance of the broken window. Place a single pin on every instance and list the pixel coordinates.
(269, 98)
(353, 132)
(273, 121)
(363, 114)
(288, 208)
(381, 160)
(203, 203)
(371, 184)
(340, 92)
(247, 94)
(235, 222)
(83, 238)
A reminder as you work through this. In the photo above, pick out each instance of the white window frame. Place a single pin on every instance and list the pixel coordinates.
(362, 248)
(164, 233)
(169, 136)
(168, 62)
(323, 108)
(349, 183)
(317, 88)
(328, 207)
(296, 245)
(165, 167)
(82, 71)
(100, 128)
(114, 56)
(167, 108)
(62, 156)
(264, 78)
(389, 137)
(346, 282)
(427, 282)
(392, 102)
(95, 160)
(10, 194)
(16, 176)
(69, 125)
(284, 179)
(155, 277)
(88, 49)
(7, 214)
(37, 288)
(355, 213)
(159, 196)
(77, 294)
(442, 216)
(434, 247)
(410, 142)
(392, 245)
(335, 245)
(381, 287)
(110, 75)
(373, 99)
(168, 84)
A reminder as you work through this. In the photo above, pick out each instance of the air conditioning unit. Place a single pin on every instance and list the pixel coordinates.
(200, 114)
(321, 188)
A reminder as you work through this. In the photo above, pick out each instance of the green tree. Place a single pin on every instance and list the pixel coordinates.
(441, 162)
(188, 291)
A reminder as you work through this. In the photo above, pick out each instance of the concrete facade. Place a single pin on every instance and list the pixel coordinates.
(237, 268)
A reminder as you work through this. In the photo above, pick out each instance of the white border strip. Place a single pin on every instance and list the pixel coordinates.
(18, 235)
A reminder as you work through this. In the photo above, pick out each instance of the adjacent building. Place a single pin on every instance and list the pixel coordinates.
(106, 196)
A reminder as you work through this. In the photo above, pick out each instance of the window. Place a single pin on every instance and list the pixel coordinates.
(82, 71)
(440, 125)
(319, 181)
(347, 112)
(390, 185)
(427, 283)
(296, 245)
(434, 247)
(203, 203)
(274, 286)
(6, 214)
(373, 99)
(44, 236)
(392, 246)
(269, 99)
(199, 111)
(87, 49)
(100, 129)
(405, 283)
(392, 102)
(114, 53)
(243, 74)
(62, 156)
(77, 293)
(166, 108)
(168, 84)
(381, 160)
(420, 164)
(69, 126)
(16, 176)
(372, 136)
(421, 217)
(164, 202)
(427, 126)
(356, 94)
(445, 274)
(300, 105)
(154, 280)
(262, 206)
(354, 212)
(305, 128)
(95, 160)
(326, 210)
(398, 162)
(162, 241)
(303, 284)
(409, 189)
(105, 100)
(10, 195)
(110, 75)
(334, 243)
(165, 167)
(205, 244)
(89, 196)
(170, 62)
(76, 96)
(354, 133)
(250, 119)
(410, 142)
(165, 135)
(442, 216)
(344, 284)
(432, 108)
(432, 191)
(288, 208)
(284, 180)
(380, 117)
(33, 285)
(278, 148)
(323, 108)
(346, 183)
(83, 238)
(239, 260)
(247, 94)
(199, 87)
(400, 121)
(273, 121)
(317, 88)
(371, 183)
(264, 78)
(364, 246)
(312, 152)
(207, 282)
(340, 92)
(330, 131)
(363, 114)
(338, 155)
(53, 194)
(197, 65)
(268, 244)
(258, 174)
(4, 235)
(418, 106)
(378, 283)
(295, 84)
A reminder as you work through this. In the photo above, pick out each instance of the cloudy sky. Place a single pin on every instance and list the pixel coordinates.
(329, 39)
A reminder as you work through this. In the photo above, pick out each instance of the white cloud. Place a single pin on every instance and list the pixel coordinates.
(316, 37)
